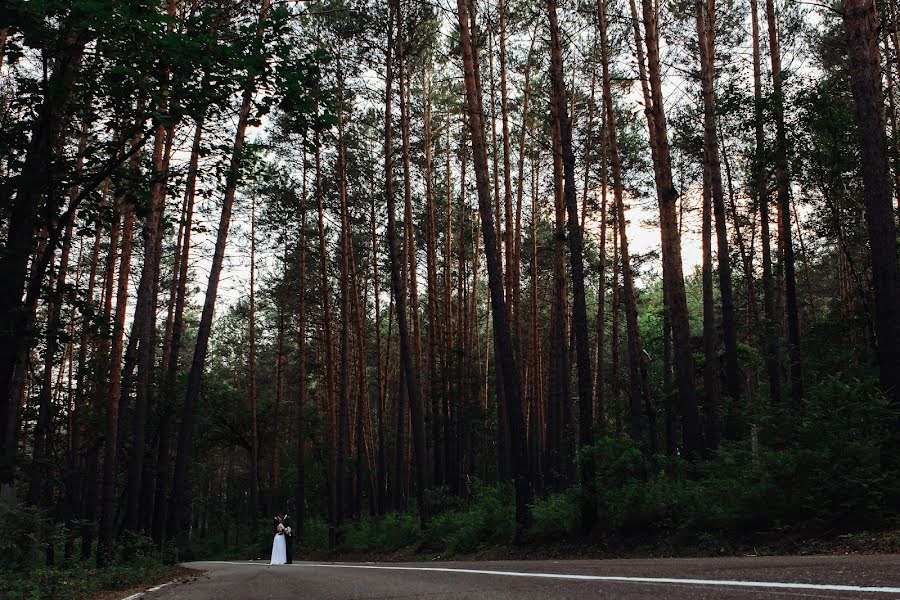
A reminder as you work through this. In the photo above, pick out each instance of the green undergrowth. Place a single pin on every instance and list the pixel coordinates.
(821, 472)
(24, 574)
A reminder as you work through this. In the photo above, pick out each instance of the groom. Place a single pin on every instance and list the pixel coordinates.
(288, 538)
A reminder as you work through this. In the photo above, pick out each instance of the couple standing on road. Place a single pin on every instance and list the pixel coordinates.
(283, 544)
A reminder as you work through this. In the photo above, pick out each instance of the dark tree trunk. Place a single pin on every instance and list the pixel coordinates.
(195, 379)
(108, 496)
(861, 27)
(783, 183)
(34, 189)
(638, 387)
(502, 342)
(761, 196)
(667, 196)
(576, 253)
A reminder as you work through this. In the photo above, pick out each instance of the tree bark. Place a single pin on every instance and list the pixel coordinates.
(861, 28)
(637, 370)
(410, 375)
(667, 197)
(706, 32)
(576, 253)
(782, 180)
(760, 194)
(195, 378)
(108, 497)
(502, 341)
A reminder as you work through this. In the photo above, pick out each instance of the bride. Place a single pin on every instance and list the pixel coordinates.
(279, 551)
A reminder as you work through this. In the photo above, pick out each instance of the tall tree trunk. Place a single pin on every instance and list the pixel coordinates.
(511, 273)
(558, 416)
(711, 388)
(33, 183)
(502, 342)
(413, 385)
(253, 511)
(761, 196)
(706, 34)
(54, 306)
(381, 462)
(329, 396)
(144, 326)
(861, 27)
(637, 370)
(576, 253)
(303, 384)
(667, 197)
(410, 375)
(171, 371)
(110, 471)
(345, 340)
(782, 180)
(85, 400)
(195, 378)
(520, 190)
(435, 334)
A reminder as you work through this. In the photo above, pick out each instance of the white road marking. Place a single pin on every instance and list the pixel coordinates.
(673, 580)
(153, 589)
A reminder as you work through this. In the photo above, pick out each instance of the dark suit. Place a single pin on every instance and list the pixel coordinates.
(289, 540)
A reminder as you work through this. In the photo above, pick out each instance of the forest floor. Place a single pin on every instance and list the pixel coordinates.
(827, 543)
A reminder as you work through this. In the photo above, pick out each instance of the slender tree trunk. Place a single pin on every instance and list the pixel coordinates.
(558, 445)
(711, 388)
(667, 196)
(345, 339)
(434, 324)
(253, 510)
(706, 34)
(34, 181)
(771, 331)
(502, 343)
(637, 370)
(85, 404)
(782, 180)
(861, 27)
(171, 370)
(176, 509)
(410, 375)
(108, 497)
(413, 384)
(381, 463)
(576, 253)
(144, 326)
(303, 384)
(520, 189)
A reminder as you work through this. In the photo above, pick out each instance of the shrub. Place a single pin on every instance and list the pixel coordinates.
(389, 533)
(557, 516)
(489, 519)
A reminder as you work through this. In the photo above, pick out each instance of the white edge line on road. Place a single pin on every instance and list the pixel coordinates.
(153, 589)
(674, 580)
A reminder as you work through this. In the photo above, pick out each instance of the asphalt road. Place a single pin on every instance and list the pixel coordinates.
(740, 578)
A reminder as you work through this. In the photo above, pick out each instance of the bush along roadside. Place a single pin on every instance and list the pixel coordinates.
(25, 574)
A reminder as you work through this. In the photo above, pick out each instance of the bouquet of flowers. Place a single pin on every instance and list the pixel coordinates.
(287, 531)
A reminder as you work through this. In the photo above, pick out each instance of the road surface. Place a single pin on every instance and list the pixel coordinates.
(738, 578)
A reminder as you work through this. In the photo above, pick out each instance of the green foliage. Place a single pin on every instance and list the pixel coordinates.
(391, 533)
(558, 516)
(489, 519)
(26, 535)
(826, 473)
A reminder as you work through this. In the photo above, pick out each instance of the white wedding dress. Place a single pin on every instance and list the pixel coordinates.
(279, 549)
